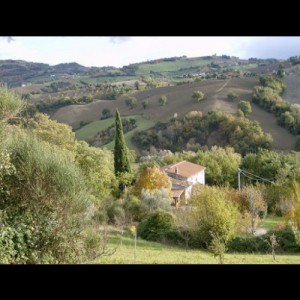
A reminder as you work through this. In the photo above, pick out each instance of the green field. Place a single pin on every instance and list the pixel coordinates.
(95, 80)
(157, 253)
(87, 132)
(270, 222)
(171, 66)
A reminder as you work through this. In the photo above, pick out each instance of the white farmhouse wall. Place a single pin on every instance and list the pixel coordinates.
(188, 192)
(198, 178)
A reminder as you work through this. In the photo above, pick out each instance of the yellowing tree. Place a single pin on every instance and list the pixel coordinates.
(151, 178)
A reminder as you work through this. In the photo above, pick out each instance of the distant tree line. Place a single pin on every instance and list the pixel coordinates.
(194, 131)
(268, 97)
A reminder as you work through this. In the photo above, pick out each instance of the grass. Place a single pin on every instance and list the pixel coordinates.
(171, 66)
(100, 79)
(270, 222)
(157, 253)
(142, 123)
(87, 132)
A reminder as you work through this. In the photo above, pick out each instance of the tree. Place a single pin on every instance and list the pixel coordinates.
(55, 133)
(217, 247)
(280, 72)
(198, 96)
(131, 102)
(47, 205)
(245, 107)
(145, 103)
(121, 161)
(106, 113)
(99, 177)
(151, 178)
(163, 100)
(255, 205)
(240, 113)
(186, 223)
(157, 199)
(137, 85)
(217, 216)
(232, 96)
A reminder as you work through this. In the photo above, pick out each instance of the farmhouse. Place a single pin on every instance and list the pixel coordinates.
(183, 176)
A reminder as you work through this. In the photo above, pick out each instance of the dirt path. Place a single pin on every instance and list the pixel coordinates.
(221, 88)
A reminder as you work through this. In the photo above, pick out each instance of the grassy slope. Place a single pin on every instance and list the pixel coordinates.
(156, 253)
(170, 66)
(90, 130)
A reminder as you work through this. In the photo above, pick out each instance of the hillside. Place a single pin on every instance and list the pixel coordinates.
(180, 102)
(18, 72)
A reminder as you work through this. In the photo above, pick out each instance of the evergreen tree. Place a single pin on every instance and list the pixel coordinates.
(121, 160)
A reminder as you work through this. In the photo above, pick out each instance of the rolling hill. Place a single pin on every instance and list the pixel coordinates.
(180, 102)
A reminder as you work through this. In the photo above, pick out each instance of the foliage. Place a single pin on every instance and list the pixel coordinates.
(163, 100)
(131, 102)
(10, 103)
(47, 204)
(137, 85)
(97, 167)
(217, 247)
(245, 107)
(157, 199)
(52, 132)
(186, 223)
(198, 96)
(121, 161)
(293, 213)
(158, 226)
(152, 179)
(255, 205)
(133, 208)
(106, 113)
(221, 165)
(285, 239)
(145, 103)
(217, 216)
(273, 165)
(240, 113)
(232, 96)
(196, 130)
(268, 97)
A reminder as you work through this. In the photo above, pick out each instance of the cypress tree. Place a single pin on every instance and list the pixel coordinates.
(121, 160)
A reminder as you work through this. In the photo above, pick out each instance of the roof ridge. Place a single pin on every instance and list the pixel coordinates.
(179, 163)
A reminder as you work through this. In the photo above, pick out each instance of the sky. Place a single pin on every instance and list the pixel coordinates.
(119, 51)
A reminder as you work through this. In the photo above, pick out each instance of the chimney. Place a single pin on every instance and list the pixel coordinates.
(176, 170)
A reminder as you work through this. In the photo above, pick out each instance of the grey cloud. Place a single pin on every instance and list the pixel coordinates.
(274, 47)
(119, 39)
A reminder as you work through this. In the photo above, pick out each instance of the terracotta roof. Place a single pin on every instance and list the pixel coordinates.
(185, 169)
(177, 193)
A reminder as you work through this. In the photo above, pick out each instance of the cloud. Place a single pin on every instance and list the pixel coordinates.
(274, 47)
(8, 38)
(119, 39)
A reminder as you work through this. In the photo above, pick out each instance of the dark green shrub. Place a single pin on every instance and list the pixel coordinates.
(248, 245)
(158, 226)
(285, 238)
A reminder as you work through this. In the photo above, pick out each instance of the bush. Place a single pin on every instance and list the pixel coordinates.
(158, 199)
(286, 240)
(46, 205)
(248, 245)
(158, 226)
